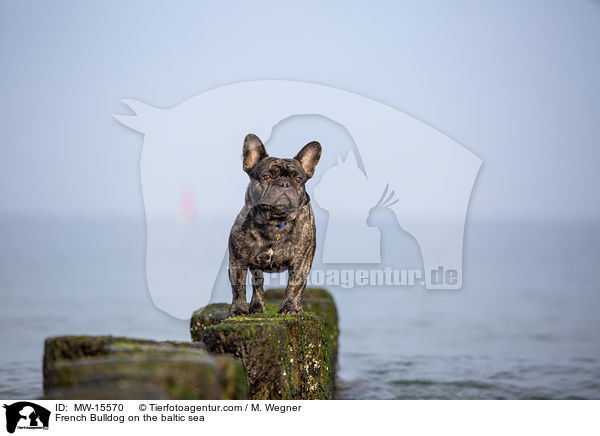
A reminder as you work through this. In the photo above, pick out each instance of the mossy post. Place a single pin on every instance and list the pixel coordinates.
(285, 356)
(106, 367)
(321, 302)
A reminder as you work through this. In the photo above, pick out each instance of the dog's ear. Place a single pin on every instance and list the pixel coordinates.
(253, 152)
(309, 157)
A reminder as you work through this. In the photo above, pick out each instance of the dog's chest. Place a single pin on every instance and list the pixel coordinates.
(271, 254)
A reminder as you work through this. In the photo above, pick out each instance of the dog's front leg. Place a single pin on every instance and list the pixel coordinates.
(292, 301)
(257, 304)
(237, 277)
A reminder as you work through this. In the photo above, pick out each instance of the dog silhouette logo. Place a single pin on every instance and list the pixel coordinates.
(190, 169)
(26, 415)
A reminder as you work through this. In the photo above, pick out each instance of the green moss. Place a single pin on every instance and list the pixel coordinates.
(282, 357)
(259, 346)
(235, 384)
(93, 366)
(285, 356)
(207, 316)
(320, 302)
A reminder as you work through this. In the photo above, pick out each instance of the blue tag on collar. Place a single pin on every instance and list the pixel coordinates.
(280, 225)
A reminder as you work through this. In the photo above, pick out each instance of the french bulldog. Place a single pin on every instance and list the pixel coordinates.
(275, 230)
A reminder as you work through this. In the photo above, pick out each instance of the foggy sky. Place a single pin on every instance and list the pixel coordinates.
(515, 82)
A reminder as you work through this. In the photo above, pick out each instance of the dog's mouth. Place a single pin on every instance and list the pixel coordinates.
(271, 212)
(276, 213)
(275, 207)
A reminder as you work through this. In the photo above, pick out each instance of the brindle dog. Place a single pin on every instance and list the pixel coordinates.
(275, 229)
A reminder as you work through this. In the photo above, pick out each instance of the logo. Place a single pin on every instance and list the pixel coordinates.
(390, 193)
(26, 415)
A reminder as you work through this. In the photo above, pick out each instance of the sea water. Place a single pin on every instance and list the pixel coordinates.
(526, 323)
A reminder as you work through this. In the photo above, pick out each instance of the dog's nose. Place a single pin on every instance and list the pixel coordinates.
(284, 183)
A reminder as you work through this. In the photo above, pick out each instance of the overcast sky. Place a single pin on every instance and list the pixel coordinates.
(514, 82)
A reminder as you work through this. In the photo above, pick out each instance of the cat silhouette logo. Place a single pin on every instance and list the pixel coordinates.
(26, 415)
(386, 186)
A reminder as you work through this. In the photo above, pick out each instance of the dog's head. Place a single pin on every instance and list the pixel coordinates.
(276, 191)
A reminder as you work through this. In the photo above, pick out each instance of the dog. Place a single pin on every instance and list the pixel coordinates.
(275, 230)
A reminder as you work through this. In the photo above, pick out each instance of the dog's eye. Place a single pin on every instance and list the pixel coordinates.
(298, 179)
(267, 177)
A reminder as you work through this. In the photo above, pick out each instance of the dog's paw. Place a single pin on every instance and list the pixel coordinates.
(289, 307)
(239, 309)
(257, 307)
